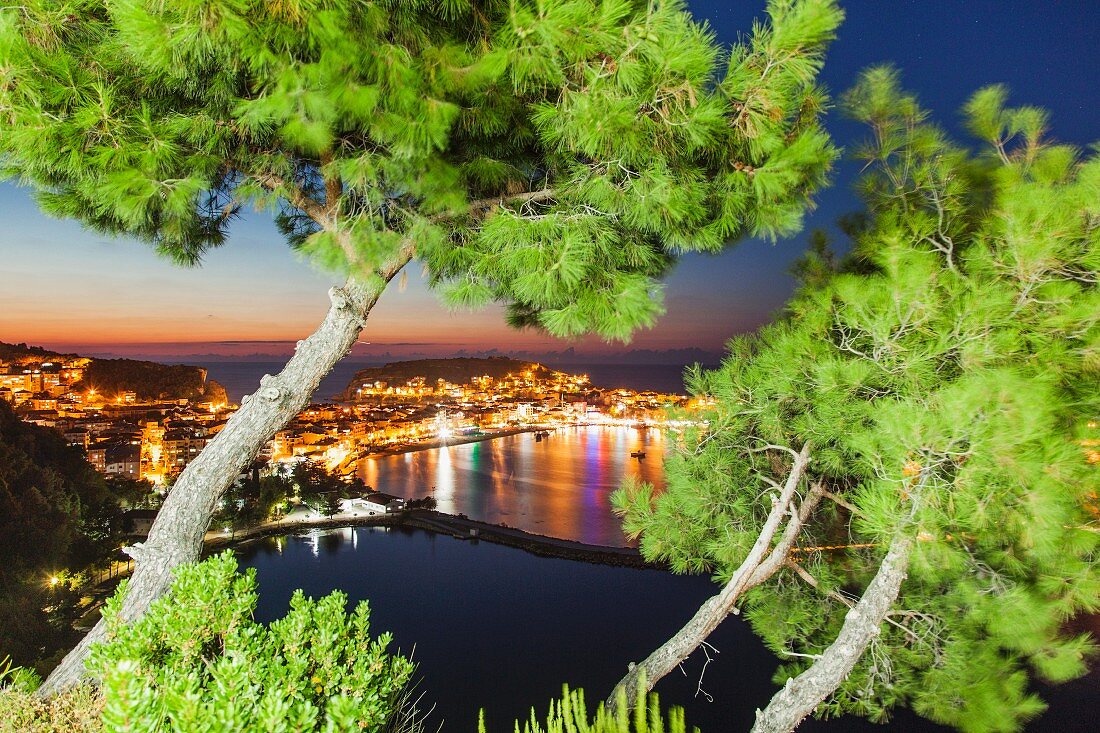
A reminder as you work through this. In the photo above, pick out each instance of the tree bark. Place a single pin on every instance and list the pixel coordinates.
(176, 536)
(802, 694)
(757, 567)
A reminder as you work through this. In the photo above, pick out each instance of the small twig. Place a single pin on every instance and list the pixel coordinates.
(842, 502)
(802, 573)
(705, 646)
(771, 446)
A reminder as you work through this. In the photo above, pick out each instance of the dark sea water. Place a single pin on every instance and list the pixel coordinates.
(243, 377)
(499, 628)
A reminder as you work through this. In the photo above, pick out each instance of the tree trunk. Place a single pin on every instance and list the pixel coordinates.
(802, 694)
(176, 536)
(757, 567)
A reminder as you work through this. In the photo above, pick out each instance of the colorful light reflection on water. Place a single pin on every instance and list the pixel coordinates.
(559, 486)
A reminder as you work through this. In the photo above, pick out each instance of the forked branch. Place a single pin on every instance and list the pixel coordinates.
(760, 564)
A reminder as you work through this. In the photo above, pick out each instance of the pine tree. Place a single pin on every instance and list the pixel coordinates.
(930, 402)
(555, 155)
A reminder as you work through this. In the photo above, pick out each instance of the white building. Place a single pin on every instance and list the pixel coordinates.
(371, 504)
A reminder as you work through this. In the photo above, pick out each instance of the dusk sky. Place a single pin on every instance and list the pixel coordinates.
(72, 290)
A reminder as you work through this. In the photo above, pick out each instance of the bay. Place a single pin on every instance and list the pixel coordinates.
(559, 486)
(500, 629)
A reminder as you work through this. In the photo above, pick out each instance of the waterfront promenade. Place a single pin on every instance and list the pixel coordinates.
(460, 527)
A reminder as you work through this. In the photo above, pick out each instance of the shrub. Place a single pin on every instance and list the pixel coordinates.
(197, 661)
(76, 711)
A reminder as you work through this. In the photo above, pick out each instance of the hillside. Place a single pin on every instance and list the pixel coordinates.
(148, 379)
(18, 353)
(458, 371)
(56, 513)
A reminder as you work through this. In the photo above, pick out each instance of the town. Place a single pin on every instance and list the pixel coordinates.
(154, 440)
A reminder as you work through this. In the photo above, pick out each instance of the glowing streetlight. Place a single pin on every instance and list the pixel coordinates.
(54, 580)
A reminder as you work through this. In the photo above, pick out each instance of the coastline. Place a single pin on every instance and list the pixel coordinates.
(457, 526)
(460, 440)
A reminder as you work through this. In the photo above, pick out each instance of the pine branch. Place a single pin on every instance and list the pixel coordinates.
(802, 694)
(334, 187)
(298, 199)
(324, 216)
(840, 501)
(814, 582)
(544, 194)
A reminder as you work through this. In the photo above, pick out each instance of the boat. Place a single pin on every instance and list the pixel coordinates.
(637, 454)
(540, 434)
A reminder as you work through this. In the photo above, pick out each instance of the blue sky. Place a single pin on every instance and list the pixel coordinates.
(69, 289)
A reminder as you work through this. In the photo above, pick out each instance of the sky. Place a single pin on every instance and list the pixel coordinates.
(72, 290)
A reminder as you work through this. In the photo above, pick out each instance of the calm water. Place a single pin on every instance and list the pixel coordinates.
(559, 486)
(502, 629)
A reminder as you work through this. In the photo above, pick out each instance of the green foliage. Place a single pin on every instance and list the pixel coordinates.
(319, 489)
(569, 714)
(198, 662)
(56, 514)
(554, 155)
(252, 501)
(944, 375)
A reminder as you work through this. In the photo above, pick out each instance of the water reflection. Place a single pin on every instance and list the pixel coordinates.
(559, 486)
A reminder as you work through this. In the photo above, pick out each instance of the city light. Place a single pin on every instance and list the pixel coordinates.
(384, 415)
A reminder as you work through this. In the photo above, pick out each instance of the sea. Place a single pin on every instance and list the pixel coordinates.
(243, 377)
(499, 629)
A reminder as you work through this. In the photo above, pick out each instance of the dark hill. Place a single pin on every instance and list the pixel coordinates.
(20, 352)
(457, 371)
(56, 513)
(148, 379)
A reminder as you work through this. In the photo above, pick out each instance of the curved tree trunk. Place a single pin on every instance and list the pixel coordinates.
(757, 567)
(802, 694)
(176, 536)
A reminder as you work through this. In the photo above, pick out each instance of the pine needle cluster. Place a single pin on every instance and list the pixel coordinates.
(944, 376)
(555, 155)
